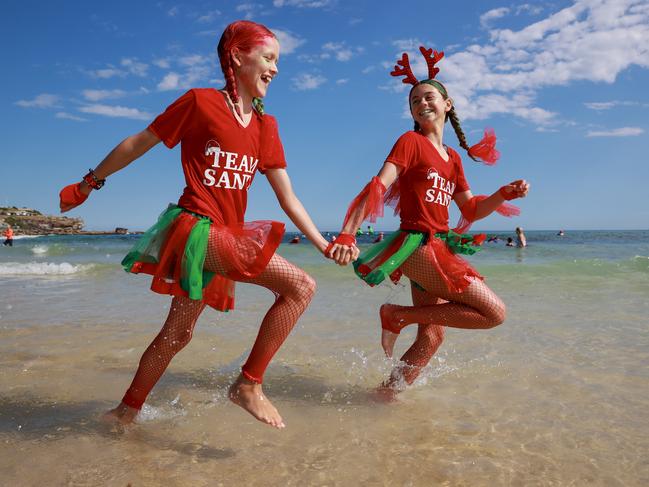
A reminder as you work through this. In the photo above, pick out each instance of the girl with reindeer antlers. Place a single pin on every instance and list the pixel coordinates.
(200, 246)
(423, 176)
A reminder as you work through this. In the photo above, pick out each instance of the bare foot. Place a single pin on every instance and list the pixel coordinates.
(122, 414)
(250, 397)
(389, 328)
(385, 394)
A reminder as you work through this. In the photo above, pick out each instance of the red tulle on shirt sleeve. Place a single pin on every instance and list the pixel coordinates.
(485, 150)
(470, 208)
(369, 202)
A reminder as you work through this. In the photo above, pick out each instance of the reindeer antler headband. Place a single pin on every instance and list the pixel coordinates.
(402, 68)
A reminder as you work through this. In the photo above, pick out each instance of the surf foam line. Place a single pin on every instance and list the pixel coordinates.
(41, 268)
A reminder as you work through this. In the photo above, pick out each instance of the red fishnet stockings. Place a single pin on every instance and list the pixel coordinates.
(429, 338)
(292, 287)
(476, 307)
(175, 334)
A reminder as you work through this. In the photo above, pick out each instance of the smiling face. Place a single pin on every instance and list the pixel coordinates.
(255, 69)
(428, 106)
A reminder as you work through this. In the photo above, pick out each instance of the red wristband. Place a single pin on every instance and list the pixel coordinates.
(345, 239)
(93, 181)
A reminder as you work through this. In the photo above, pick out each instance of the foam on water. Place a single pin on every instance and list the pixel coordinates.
(42, 268)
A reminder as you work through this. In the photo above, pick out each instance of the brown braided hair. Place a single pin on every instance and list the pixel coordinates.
(243, 35)
(450, 115)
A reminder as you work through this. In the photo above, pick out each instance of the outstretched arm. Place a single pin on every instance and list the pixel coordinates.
(343, 253)
(477, 207)
(281, 184)
(121, 156)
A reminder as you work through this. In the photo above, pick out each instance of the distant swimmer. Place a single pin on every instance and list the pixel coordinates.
(9, 237)
(561, 233)
(379, 237)
(295, 240)
(370, 230)
(510, 242)
(521, 241)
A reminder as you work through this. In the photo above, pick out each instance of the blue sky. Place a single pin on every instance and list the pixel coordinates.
(564, 84)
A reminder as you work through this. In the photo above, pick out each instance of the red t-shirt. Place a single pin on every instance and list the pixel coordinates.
(427, 182)
(219, 156)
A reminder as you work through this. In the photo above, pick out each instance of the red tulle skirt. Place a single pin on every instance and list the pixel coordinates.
(174, 250)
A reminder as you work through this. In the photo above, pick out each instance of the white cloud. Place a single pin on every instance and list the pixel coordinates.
(44, 100)
(171, 81)
(116, 111)
(307, 81)
(303, 3)
(209, 17)
(69, 116)
(250, 9)
(96, 95)
(592, 41)
(198, 71)
(287, 41)
(173, 11)
(621, 132)
(107, 73)
(493, 14)
(607, 105)
(162, 63)
(341, 51)
(135, 67)
(342, 81)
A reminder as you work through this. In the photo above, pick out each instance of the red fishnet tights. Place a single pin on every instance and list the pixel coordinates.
(175, 334)
(429, 338)
(477, 307)
(293, 289)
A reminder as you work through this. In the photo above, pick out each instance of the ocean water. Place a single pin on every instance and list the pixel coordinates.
(557, 395)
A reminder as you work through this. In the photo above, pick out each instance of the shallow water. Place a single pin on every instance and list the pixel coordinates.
(557, 395)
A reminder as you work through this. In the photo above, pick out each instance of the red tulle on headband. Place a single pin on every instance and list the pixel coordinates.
(470, 207)
(485, 150)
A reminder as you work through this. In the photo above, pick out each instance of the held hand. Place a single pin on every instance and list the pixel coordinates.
(515, 189)
(344, 254)
(73, 195)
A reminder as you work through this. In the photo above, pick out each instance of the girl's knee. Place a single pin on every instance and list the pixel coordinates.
(497, 314)
(307, 286)
(434, 334)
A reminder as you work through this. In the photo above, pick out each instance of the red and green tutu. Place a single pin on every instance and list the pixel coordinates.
(384, 259)
(173, 251)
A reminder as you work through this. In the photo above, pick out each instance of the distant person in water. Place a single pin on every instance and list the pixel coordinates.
(379, 237)
(561, 233)
(295, 240)
(510, 242)
(370, 230)
(9, 237)
(521, 241)
(493, 238)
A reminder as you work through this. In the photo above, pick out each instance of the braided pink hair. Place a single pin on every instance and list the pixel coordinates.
(243, 35)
